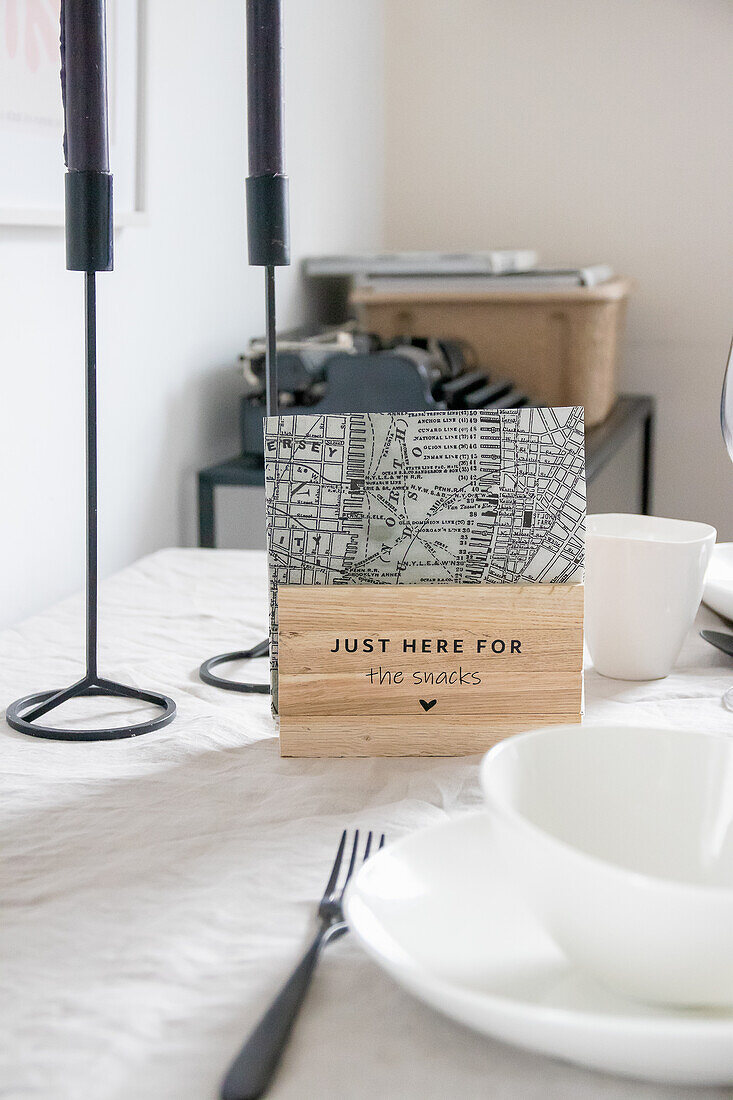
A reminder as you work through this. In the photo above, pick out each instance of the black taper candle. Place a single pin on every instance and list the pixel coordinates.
(89, 220)
(267, 185)
(264, 88)
(84, 85)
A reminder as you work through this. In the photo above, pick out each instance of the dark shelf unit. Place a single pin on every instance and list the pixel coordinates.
(631, 413)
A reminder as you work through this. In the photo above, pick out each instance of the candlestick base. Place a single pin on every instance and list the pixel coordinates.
(262, 649)
(22, 715)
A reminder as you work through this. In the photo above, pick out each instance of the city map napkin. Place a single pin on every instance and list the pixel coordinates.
(491, 496)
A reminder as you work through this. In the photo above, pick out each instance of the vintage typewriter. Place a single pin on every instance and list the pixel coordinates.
(346, 370)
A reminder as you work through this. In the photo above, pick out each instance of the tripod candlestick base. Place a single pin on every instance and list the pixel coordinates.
(262, 649)
(22, 715)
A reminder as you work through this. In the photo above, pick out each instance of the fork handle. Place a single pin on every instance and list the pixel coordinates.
(252, 1070)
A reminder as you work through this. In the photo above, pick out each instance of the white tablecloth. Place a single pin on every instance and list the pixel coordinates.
(155, 891)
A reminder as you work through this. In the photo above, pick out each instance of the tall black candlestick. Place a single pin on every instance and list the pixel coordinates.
(88, 249)
(267, 225)
(84, 85)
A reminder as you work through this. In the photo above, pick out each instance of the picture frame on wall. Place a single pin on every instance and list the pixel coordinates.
(31, 111)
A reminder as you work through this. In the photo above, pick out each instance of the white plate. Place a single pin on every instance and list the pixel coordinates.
(718, 591)
(435, 911)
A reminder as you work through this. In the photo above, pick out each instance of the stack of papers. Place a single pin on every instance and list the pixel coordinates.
(455, 272)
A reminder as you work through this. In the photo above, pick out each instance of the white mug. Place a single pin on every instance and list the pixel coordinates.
(643, 586)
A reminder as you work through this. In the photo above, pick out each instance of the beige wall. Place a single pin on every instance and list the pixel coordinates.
(593, 130)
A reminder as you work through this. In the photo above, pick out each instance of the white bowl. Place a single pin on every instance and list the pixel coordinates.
(621, 840)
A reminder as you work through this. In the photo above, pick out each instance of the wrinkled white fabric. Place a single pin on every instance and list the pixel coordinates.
(155, 891)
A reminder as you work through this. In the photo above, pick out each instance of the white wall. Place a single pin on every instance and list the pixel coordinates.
(593, 131)
(181, 302)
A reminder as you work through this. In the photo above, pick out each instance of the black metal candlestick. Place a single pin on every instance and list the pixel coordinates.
(89, 248)
(267, 229)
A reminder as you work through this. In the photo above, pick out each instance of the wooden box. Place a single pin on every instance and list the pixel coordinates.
(559, 345)
(425, 670)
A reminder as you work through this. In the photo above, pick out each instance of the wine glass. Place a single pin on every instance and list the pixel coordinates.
(726, 425)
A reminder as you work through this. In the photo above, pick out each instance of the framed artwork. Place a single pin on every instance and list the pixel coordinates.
(31, 113)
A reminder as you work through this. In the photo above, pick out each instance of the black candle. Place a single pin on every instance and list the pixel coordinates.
(264, 88)
(84, 85)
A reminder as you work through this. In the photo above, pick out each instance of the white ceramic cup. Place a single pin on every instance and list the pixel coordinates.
(643, 586)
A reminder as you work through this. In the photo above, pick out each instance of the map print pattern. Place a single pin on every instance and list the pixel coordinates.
(492, 496)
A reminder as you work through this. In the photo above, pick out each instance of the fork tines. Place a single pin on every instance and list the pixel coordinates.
(330, 890)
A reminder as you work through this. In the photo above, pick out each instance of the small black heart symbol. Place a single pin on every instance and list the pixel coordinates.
(428, 706)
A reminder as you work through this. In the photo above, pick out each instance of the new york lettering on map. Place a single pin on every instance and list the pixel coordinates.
(492, 496)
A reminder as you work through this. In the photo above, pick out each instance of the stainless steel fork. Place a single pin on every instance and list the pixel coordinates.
(254, 1067)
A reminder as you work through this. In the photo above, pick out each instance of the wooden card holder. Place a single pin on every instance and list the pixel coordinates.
(425, 670)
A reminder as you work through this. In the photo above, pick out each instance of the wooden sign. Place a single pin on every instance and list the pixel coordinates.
(425, 670)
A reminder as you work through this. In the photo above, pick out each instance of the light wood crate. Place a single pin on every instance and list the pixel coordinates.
(511, 659)
(560, 346)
